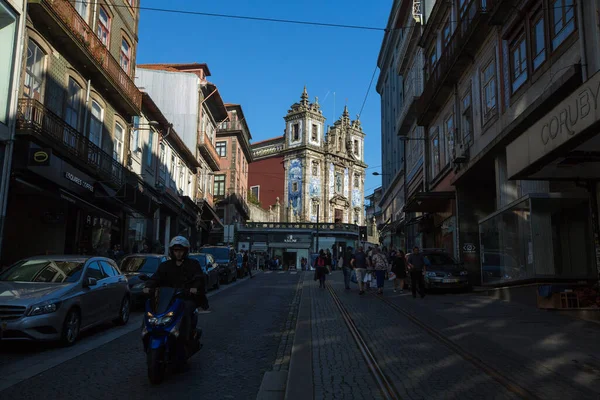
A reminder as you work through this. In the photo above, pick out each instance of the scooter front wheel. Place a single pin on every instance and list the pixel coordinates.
(156, 365)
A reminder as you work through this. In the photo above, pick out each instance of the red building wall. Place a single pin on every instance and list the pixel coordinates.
(269, 174)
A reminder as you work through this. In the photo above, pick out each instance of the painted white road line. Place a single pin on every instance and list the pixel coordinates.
(33, 365)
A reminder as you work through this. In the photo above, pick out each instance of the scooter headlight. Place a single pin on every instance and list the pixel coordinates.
(160, 321)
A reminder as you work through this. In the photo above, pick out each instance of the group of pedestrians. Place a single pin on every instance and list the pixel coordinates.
(376, 265)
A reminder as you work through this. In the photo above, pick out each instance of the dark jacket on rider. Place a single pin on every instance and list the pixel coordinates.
(187, 275)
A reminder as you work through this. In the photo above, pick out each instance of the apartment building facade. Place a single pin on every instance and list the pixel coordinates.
(510, 160)
(76, 102)
(231, 182)
(195, 108)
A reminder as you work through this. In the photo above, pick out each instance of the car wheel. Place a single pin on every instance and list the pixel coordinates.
(124, 312)
(71, 328)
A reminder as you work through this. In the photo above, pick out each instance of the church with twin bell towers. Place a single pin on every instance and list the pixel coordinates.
(324, 170)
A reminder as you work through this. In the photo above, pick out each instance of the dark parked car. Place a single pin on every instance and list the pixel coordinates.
(210, 268)
(57, 297)
(443, 271)
(136, 264)
(224, 256)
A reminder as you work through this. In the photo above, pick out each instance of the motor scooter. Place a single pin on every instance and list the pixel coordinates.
(163, 344)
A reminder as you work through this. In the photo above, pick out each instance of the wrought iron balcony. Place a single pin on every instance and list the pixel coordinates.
(35, 120)
(209, 152)
(470, 33)
(75, 39)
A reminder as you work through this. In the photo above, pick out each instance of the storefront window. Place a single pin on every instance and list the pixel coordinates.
(136, 233)
(8, 27)
(545, 236)
(505, 244)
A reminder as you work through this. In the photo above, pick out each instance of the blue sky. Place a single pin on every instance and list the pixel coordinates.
(264, 65)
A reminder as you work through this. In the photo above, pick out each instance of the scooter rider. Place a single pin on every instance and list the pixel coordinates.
(182, 272)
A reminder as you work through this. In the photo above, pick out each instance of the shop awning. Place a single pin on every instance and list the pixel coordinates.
(79, 202)
(259, 246)
(429, 202)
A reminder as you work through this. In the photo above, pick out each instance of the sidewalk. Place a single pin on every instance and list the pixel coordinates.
(552, 356)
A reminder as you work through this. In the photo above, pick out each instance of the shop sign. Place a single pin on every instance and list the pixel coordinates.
(572, 116)
(39, 157)
(290, 239)
(79, 181)
(469, 248)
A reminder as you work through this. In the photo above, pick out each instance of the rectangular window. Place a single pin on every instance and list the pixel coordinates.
(173, 171)
(449, 138)
(219, 185)
(103, 26)
(435, 153)
(73, 105)
(518, 58)
(462, 7)
(34, 72)
(255, 192)
(432, 60)
(488, 80)
(83, 7)
(315, 133)
(356, 181)
(8, 26)
(135, 134)
(150, 152)
(97, 119)
(163, 162)
(563, 21)
(118, 143)
(356, 150)
(315, 169)
(467, 119)
(294, 187)
(538, 40)
(296, 132)
(125, 56)
(446, 33)
(222, 149)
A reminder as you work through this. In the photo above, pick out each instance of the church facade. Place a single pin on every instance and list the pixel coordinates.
(324, 171)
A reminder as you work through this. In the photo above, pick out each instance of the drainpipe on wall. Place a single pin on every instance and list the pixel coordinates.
(12, 122)
(87, 103)
(95, 16)
(582, 44)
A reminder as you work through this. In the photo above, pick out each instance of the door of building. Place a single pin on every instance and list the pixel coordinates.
(339, 215)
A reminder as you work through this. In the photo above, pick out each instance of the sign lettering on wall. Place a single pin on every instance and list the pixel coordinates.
(79, 181)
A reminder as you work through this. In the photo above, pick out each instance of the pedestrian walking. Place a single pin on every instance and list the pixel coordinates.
(321, 270)
(360, 262)
(416, 265)
(399, 269)
(347, 267)
(330, 262)
(380, 265)
(246, 263)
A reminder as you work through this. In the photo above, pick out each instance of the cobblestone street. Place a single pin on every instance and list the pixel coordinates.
(242, 335)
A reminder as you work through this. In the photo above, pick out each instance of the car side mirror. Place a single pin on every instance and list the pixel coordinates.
(143, 277)
(90, 282)
(209, 265)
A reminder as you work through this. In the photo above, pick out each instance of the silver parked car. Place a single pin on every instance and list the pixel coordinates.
(57, 297)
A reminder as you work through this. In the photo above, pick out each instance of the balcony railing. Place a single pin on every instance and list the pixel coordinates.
(233, 126)
(241, 204)
(209, 152)
(37, 120)
(87, 39)
(323, 227)
(437, 75)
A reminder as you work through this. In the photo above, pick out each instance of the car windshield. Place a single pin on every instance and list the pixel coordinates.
(146, 265)
(440, 260)
(219, 253)
(201, 259)
(46, 271)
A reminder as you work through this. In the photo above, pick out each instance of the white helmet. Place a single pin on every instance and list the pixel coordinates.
(181, 242)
